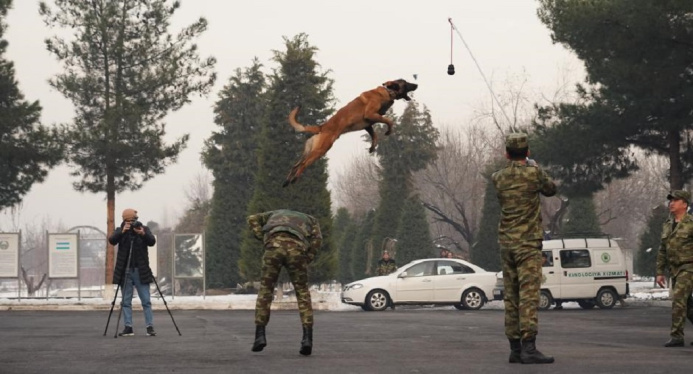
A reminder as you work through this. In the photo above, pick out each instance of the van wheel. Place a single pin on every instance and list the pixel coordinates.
(586, 304)
(606, 298)
(545, 300)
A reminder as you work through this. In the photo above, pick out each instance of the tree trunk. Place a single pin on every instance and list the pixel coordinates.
(675, 178)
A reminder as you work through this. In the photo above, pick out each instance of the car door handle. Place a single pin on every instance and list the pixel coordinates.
(461, 278)
(426, 280)
(551, 272)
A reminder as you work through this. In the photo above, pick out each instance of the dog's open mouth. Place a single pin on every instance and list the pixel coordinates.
(409, 87)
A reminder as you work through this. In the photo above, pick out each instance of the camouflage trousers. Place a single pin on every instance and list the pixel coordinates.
(522, 281)
(682, 303)
(283, 251)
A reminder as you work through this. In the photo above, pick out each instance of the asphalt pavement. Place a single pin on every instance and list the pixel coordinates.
(406, 340)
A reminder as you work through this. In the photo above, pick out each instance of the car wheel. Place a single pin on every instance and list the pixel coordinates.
(377, 300)
(586, 304)
(472, 299)
(545, 300)
(606, 298)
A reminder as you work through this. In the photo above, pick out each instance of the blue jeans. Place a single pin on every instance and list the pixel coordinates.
(132, 278)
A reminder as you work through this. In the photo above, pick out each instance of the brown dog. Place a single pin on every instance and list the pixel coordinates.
(360, 114)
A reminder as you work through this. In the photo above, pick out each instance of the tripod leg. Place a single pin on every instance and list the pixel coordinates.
(111, 312)
(166, 305)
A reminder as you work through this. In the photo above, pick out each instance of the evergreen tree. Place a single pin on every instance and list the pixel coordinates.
(361, 266)
(342, 223)
(637, 96)
(296, 81)
(581, 219)
(346, 249)
(124, 73)
(485, 252)
(231, 154)
(650, 240)
(27, 149)
(413, 238)
(410, 148)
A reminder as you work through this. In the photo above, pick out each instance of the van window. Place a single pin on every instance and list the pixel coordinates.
(452, 267)
(547, 259)
(422, 269)
(575, 258)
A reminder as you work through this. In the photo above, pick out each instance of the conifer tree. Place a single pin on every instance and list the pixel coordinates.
(410, 148)
(485, 252)
(124, 72)
(362, 245)
(581, 219)
(650, 240)
(296, 81)
(413, 238)
(231, 154)
(27, 149)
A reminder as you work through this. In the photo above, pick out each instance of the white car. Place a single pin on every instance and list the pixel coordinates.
(440, 281)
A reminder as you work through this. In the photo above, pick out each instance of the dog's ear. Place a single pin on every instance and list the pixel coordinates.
(391, 85)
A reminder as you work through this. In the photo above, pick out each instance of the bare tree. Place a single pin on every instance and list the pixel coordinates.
(625, 205)
(355, 187)
(452, 187)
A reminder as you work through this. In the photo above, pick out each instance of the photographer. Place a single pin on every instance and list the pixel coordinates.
(132, 268)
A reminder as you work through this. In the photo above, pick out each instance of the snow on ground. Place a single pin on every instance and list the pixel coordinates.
(641, 292)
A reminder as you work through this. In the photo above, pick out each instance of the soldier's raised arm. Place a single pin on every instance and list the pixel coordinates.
(548, 187)
(256, 222)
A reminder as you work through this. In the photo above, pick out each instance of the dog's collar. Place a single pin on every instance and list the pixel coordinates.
(392, 93)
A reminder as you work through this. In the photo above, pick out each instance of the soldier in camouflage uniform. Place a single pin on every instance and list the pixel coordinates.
(676, 250)
(291, 241)
(386, 265)
(518, 186)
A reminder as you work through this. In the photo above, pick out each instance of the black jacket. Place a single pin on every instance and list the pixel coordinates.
(140, 252)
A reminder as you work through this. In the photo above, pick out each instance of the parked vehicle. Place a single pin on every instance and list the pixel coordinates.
(591, 271)
(435, 281)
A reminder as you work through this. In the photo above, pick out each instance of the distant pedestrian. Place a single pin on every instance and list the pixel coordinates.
(291, 240)
(386, 265)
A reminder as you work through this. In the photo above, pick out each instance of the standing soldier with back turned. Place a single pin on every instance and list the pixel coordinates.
(291, 241)
(520, 235)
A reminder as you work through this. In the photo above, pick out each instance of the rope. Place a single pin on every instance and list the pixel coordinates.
(453, 27)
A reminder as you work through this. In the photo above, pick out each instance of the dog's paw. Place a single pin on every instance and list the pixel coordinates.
(371, 149)
(388, 132)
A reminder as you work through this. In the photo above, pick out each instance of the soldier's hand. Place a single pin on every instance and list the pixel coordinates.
(126, 227)
(661, 281)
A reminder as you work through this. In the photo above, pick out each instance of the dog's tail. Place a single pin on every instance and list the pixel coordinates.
(299, 127)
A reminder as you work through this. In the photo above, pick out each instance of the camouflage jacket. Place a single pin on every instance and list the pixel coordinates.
(518, 186)
(386, 267)
(306, 228)
(676, 248)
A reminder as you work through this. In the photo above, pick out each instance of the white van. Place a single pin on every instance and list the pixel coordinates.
(591, 271)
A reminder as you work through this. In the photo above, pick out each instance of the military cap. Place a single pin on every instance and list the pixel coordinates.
(516, 141)
(680, 195)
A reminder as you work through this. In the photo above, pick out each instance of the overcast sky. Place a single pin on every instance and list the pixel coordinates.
(362, 43)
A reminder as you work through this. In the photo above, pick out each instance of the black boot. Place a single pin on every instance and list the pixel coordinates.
(530, 354)
(515, 351)
(307, 341)
(260, 342)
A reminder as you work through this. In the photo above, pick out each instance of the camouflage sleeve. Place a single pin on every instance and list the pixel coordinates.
(315, 238)
(661, 258)
(548, 187)
(256, 222)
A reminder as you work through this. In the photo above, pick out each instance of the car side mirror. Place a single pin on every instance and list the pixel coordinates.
(402, 275)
